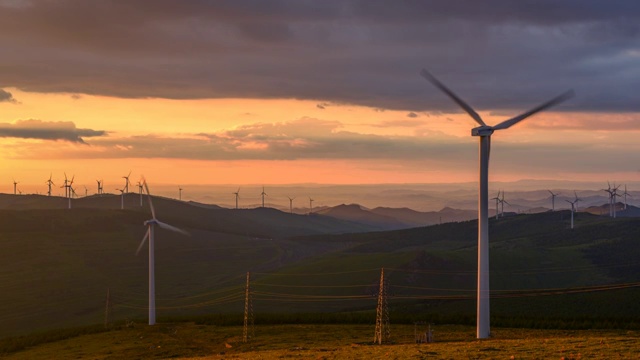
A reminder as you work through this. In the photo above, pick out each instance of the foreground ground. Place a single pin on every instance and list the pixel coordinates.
(188, 340)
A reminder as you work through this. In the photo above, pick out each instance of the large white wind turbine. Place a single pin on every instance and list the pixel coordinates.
(140, 191)
(484, 132)
(150, 235)
(553, 200)
(49, 183)
(121, 198)
(502, 202)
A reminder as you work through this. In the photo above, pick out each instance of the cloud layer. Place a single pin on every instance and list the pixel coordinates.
(43, 130)
(497, 54)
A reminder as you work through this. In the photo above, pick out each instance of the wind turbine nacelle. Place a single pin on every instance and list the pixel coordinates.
(151, 222)
(482, 131)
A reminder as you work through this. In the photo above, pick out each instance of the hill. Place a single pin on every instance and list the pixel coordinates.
(57, 264)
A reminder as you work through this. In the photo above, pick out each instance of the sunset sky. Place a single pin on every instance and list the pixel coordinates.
(282, 92)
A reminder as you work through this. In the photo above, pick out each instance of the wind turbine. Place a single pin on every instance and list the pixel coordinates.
(126, 183)
(86, 191)
(310, 205)
(484, 133)
(573, 207)
(625, 193)
(237, 194)
(49, 182)
(179, 193)
(290, 204)
(497, 199)
(263, 194)
(121, 198)
(100, 186)
(66, 186)
(502, 202)
(70, 190)
(608, 190)
(614, 195)
(140, 191)
(15, 187)
(150, 235)
(553, 200)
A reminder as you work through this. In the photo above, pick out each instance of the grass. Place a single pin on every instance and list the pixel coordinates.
(312, 341)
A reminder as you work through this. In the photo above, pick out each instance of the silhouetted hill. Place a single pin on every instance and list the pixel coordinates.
(357, 213)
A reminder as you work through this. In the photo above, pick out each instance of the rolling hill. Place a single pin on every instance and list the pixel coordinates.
(57, 264)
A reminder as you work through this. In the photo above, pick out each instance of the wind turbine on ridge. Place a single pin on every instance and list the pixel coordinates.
(140, 191)
(70, 190)
(290, 204)
(497, 199)
(625, 193)
(484, 133)
(573, 206)
(553, 200)
(180, 193)
(100, 186)
(150, 235)
(15, 187)
(237, 194)
(263, 194)
(502, 202)
(614, 195)
(126, 183)
(310, 205)
(610, 192)
(121, 198)
(49, 183)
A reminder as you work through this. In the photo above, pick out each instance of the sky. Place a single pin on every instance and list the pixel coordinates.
(328, 92)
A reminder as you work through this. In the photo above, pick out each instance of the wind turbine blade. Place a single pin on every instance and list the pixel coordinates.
(146, 188)
(555, 101)
(146, 236)
(427, 75)
(172, 228)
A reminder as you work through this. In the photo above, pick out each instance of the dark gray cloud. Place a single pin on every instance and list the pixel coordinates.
(7, 96)
(497, 54)
(37, 129)
(412, 115)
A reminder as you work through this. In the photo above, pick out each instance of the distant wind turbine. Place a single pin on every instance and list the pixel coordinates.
(484, 133)
(625, 194)
(502, 202)
(573, 206)
(290, 204)
(614, 201)
(311, 205)
(610, 192)
(15, 187)
(150, 235)
(140, 191)
(180, 193)
(121, 198)
(237, 194)
(49, 183)
(126, 183)
(263, 194)
(100, 186)
(497, 199)
(553, 200)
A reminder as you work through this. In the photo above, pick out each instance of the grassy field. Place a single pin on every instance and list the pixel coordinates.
(189, 340)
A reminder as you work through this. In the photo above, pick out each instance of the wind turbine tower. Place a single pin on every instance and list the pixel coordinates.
(140, 191)
(573, 207)
(180, 193)
(484, 132)
(126, 183)
(237, 194)
(100, 185)
(49, 183)
(614, 195)
(497, 199)
(150, 235)
(263, 194)
(290, 204)
(553, 200)
(502, 202)
(15, 187)
(121, 198)
(625, 194)
(311, 205)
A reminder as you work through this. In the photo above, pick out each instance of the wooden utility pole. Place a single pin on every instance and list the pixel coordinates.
(248, 313)
(382, 313)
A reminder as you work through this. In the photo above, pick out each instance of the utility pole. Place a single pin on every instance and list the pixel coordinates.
(382, 313)
(248, 313)
(108, 311)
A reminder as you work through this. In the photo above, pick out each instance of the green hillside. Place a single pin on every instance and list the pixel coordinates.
(56, 266)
